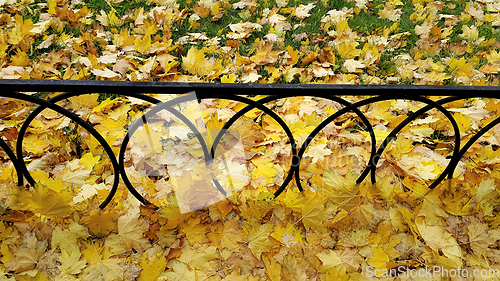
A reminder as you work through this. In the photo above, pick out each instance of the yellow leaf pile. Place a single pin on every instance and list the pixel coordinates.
(338, 42)
(334, 229)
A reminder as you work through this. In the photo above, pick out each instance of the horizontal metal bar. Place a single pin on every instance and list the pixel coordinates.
(123, 87)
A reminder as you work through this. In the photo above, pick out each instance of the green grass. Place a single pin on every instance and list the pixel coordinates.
(32, 11)
(488, 31)
(386, 65)
(311, 26)
(439, 136)
(41, 95)
(457, 10)
(121, 8)
(105, 96)
(98, 5)
(35, 53)
(368, 21)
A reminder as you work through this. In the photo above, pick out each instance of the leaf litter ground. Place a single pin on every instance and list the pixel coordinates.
(333, 230)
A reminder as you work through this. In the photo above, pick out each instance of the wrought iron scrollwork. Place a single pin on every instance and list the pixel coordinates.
(13, 90)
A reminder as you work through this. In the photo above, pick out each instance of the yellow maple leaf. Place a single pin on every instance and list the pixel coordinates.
(273, 268)
(195, 231)
(460, 67)
(388, 248)
(109, 269)
(347, 49)
(264, 53)
(487, 195)
(458, 202)
(36, 144)
(402, 145)
(440, 240)
(71, 263)
(356, 238)
(317, 151)
(45, 202)
(181, 272)
(129, 236)
(52, 6)
(309, 58)
(65, 240)
(101, 266)
(152, 267)
(267, 170)
(288, 235)
(106, 73)
(100, 223)
(92, 252)
(293, 54)
(340, 189)
(481, 237)
(232, 236)
(199, 258)
(469, 33)
(84, 102)
(314, 211)
(379, 259)
(390, 13)
(28, 254)
(194, 62)
(113, 19)
(250, 77)
(21, 29)
(329, 260)
(231, 78)
(464, 122)
(7, 255)
(258, 239)
(302, 12)
(20, 59)
(224, 207)
(143, 45)
(353, 65)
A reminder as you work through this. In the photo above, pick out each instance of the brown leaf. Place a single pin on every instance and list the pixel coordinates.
(28, 254)
(17, 216)
(490, 68)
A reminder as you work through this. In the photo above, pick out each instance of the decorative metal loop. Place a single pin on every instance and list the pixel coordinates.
(260, 104)
(330, 119)
(432, 104)
(208, 155)
(454, 161)
(296, 159)
(158, 107)
(46, 104)
(85, 125)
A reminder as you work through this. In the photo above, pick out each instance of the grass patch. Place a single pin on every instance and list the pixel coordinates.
(488, 32)
(98, 5)
(121, 8)
(105, 96)
(453, 7)
(32, 12)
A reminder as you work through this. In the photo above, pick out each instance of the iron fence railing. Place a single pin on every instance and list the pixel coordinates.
(17, 89)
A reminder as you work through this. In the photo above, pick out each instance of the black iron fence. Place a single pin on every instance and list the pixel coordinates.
(17, 89)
